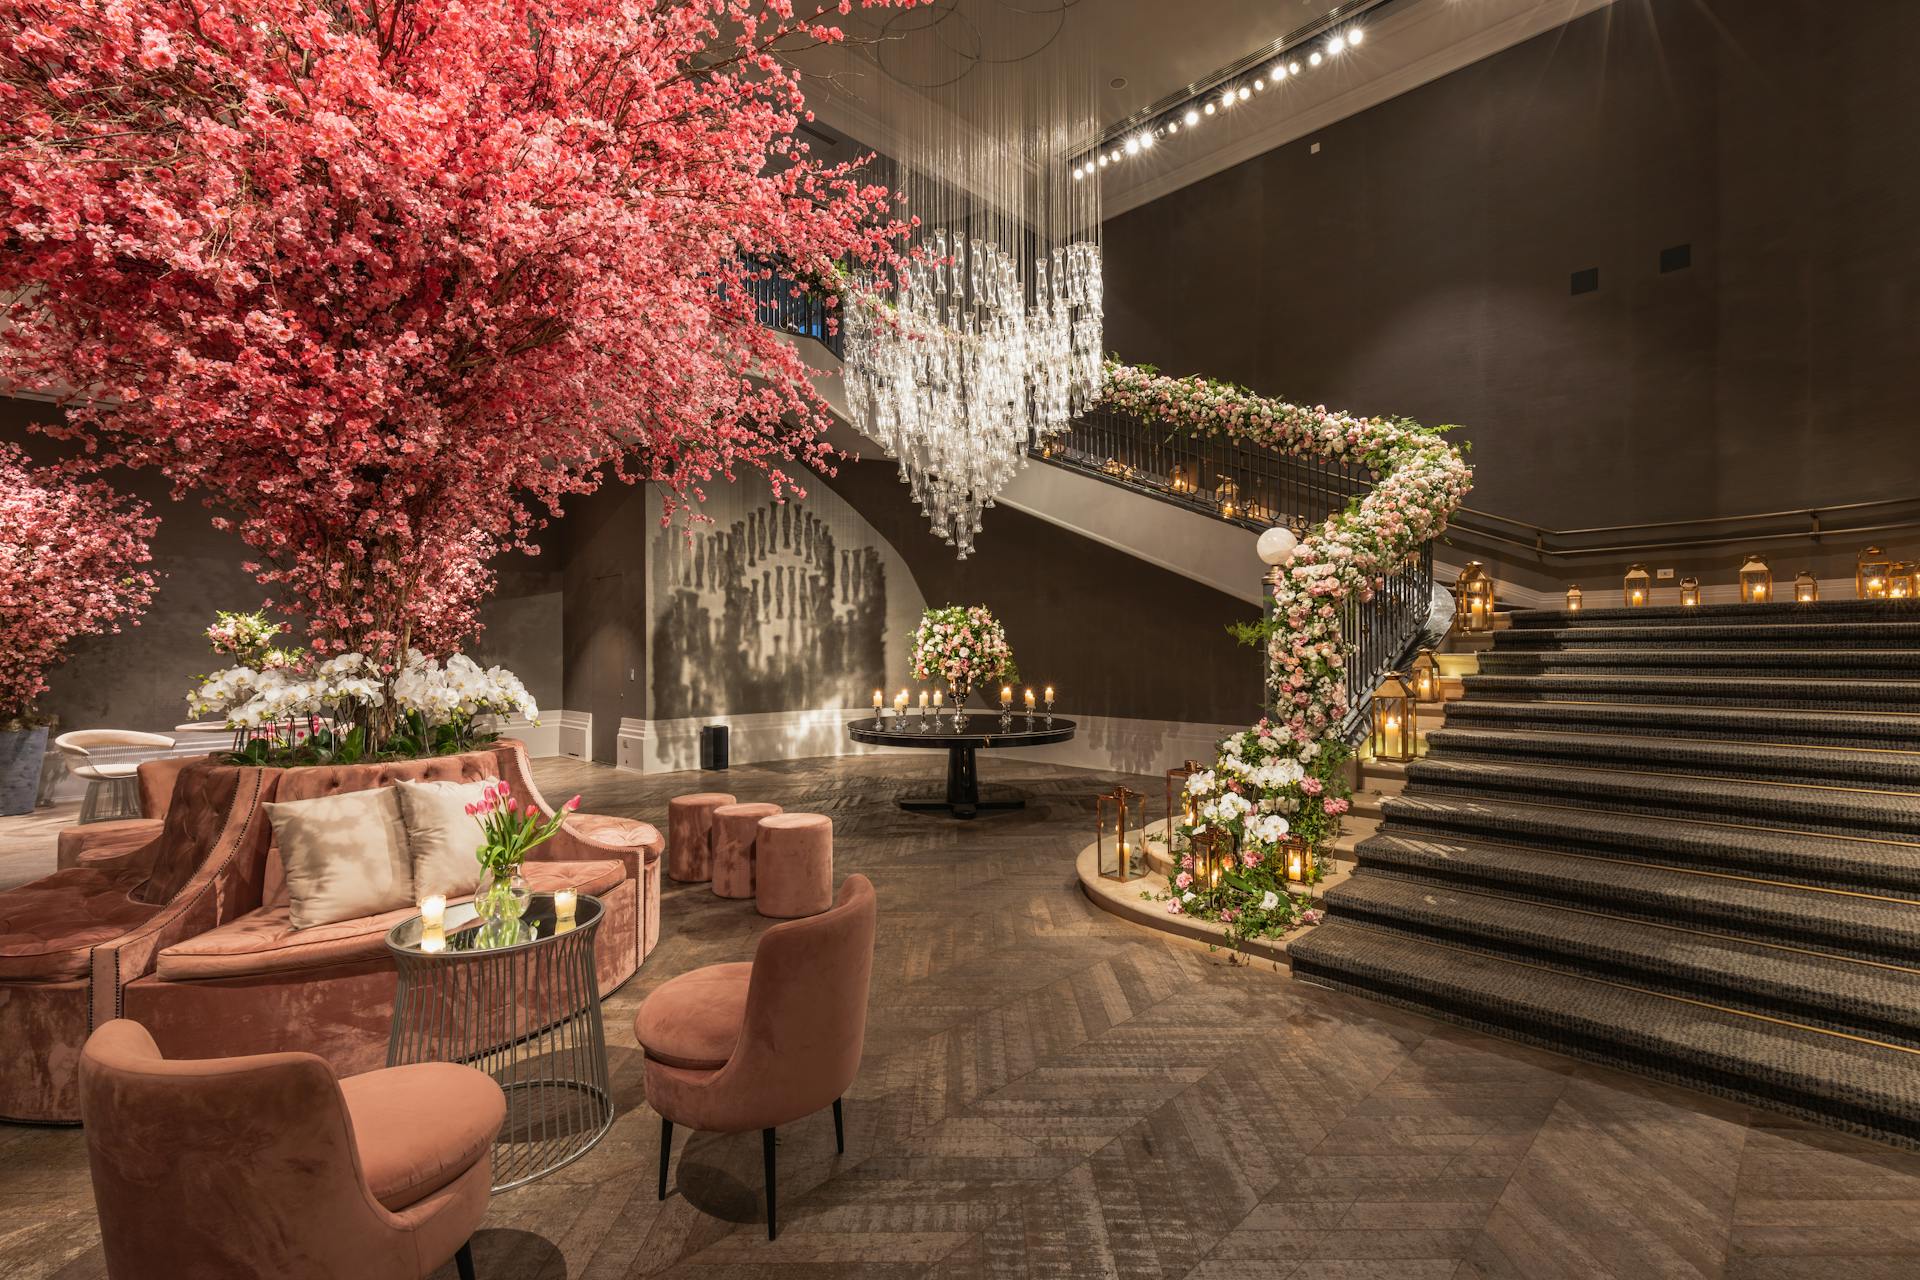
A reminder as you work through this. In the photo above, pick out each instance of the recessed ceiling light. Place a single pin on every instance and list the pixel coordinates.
(1278, 73)
(1245, 93)
(1313, 59)
(1209, 108)
(1118, 82)
(1354, 36)
(1337, 45)
(1293, 68)
(1193, 118)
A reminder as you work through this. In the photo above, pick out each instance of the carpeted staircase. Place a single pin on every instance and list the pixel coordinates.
(1681, 841)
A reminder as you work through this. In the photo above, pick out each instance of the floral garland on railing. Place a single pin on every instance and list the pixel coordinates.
(1419, 481)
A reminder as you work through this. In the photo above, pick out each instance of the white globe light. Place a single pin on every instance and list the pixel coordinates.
(1193, 118)
(1277, 545)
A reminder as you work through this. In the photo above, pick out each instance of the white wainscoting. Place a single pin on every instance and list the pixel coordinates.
(1101, 742)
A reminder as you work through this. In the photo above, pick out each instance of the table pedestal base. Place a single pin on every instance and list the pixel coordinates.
(963, 789)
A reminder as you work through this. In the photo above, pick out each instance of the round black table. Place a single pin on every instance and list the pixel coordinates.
(983, 732)
(522, 1005)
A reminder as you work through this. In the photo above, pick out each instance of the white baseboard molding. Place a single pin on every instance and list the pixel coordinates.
(1101, 742)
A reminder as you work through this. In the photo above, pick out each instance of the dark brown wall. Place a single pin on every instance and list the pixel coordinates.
(1117, 636)
(604, 633)
(1420, 262)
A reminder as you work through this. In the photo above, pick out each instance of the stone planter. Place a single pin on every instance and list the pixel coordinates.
(21, 754)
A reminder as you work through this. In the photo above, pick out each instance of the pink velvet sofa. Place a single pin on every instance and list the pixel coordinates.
(188, 934)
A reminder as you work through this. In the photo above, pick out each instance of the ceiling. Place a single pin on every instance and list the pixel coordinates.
(1160, 47)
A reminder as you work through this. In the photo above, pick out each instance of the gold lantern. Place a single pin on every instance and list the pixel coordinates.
(1756, 581)
(1181, 481)
(1689, 592)
(1900, 581)
(1806, 587)
(1636, 588)
(1395, 720)
(1574, 598)
(1177, 794)
(1426, 677)
(1473, 598)
(1228, 495)
(1213, 858)
(1121, 802)
(1870, 573)
(1298, 860)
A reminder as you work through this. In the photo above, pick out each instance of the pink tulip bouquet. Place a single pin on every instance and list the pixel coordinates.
(512, 829)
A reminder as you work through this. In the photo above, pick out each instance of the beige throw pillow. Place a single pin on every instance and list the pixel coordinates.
(345, 856)
(442, 836)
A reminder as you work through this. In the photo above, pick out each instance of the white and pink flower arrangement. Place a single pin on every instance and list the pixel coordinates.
(961, 646)
(1271, 795)
(1419, 482)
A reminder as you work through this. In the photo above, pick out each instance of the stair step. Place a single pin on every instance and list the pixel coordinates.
(1889, 815)
(1868, 1088)
(1879, 929)
(1720, 634)
(1818, 990)
(1708, 615)
(1888, 770)
(1778, 691)
(1678, 659)
(1749, 724)
(1863, 866)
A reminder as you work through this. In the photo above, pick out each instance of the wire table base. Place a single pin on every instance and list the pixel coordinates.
(523, 1006)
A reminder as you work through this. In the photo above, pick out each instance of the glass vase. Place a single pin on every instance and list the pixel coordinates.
(503, 898)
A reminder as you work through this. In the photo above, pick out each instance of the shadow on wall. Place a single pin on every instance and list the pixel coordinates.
(768, 614)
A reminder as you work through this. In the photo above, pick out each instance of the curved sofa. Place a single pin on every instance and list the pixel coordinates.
(187, 932)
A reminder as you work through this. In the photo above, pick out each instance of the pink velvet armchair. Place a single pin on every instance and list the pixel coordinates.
(735, 1047)
(239, 1168)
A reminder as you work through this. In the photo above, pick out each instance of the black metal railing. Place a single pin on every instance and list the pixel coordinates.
(777, 306)
(1258, 488)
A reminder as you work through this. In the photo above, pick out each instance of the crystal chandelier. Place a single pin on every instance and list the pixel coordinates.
(990, 339)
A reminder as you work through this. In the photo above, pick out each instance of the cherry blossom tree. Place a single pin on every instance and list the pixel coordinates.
(70, 552)
(385, 281)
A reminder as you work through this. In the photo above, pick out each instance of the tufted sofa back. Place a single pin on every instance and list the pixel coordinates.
(329, 780)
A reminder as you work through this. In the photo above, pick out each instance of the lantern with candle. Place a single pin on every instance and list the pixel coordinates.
(1756, 581)
(1473, 598)
(1228, 496)
(1689, 592)
(1636, 588)
(1575, 597)
(1426, 677)
(1213, 858)
(1806, 587)
(1395, 723)
(1297, 859)
(1901, 580)
(1128, 810)
(1870, 572)
(1181, 481)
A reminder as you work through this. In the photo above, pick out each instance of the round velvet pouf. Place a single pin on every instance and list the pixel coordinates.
(793, 865)
(690, 835)
(735, 828)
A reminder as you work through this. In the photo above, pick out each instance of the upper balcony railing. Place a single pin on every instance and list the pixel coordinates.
(1256, 489)
(805, 316)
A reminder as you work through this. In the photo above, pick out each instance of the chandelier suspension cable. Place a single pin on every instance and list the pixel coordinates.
(992, 336)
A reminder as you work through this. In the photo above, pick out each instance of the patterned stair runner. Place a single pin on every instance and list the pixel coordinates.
(1681, 841)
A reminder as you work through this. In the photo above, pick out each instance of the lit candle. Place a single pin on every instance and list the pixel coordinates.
(1006, 694)
(878, 701)
(1296, 866)
(433, 922)
(564, 902)
(936, 698)
(923, 702)
(1029, 699)
(900, 702)
(1759, 591)
(1049, 693)
(1637, 597)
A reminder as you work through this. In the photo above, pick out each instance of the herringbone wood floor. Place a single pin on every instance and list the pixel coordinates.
(1049, 1092)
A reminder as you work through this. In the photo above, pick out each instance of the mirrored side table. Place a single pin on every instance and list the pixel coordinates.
(524, 1007)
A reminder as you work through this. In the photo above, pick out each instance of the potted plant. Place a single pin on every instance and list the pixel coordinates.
(511, 830)
(68, 556)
